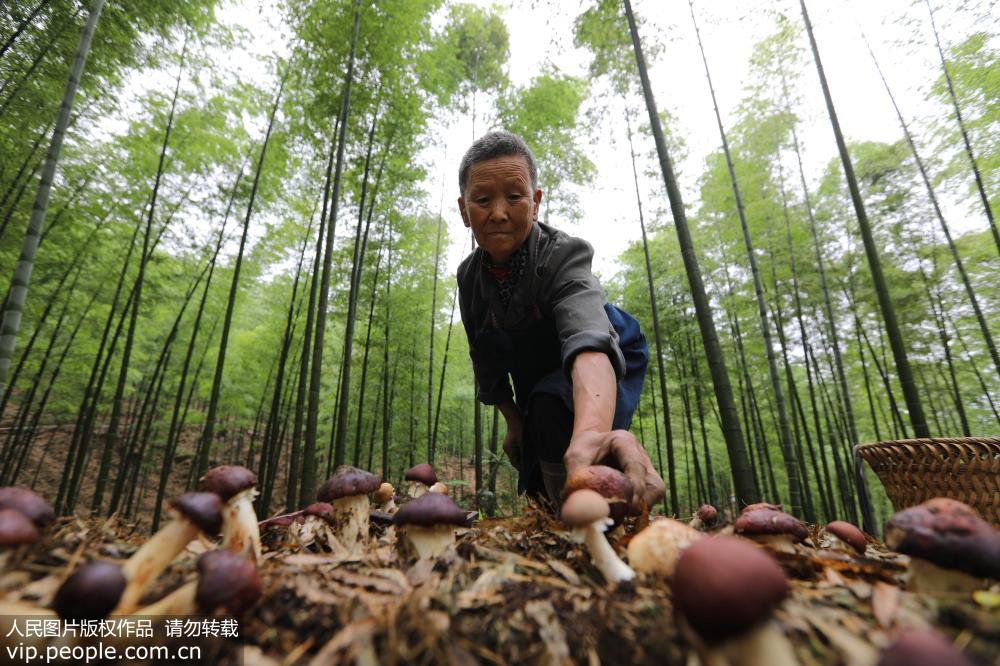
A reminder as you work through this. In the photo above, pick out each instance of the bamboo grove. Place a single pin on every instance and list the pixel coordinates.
(252, 269)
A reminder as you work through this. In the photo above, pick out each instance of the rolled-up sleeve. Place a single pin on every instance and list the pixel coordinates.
(578, 305)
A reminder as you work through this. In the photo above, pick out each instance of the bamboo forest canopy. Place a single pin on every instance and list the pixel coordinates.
(229, 234)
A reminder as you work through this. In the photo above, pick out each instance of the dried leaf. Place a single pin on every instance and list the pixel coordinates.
(885, 603)
(568, 574)
(550, 631)
(357, 631)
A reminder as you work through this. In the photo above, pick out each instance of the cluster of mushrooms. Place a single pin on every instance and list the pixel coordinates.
(726, 580)
(227, 576)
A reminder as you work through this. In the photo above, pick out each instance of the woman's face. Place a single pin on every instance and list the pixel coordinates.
(499, 205)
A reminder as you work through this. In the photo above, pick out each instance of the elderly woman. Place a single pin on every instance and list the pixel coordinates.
(535, 314)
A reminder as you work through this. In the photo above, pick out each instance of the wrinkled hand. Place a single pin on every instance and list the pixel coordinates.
(621, 450)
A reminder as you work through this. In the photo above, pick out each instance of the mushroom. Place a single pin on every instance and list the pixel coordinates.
(439, 488)
(16, 528)
(91, 592)
(27, 502)
(846, 537)
(226, 580)
(235, 485)
(655, 550)
(316, 520)
(922, 647)
(608, 482)
(194, 513)
(950, 547)
(427, 525)
(347, 490)
(418, 479)
(775, 529)
(725, 589)
(383, 498)
(587, 512)
(704, 517)
(758, 506)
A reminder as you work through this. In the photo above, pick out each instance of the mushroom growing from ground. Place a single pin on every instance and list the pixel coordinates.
(27, 502)
(922, 647)
(194, 513)
(725, 589)
(226, 580)
(16, 528)
(775, 529)
(656, 549)
(611, 484)
(347, 490)
(439, 488)
(588, 514)
(427, 525)
(418, 479)
(950, 547)
(383, 498)
(846, 537)
(91, 592)
(235, 485)
(704, 517)
(758, 506)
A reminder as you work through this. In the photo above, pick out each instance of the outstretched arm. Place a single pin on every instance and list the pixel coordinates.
(593, 442)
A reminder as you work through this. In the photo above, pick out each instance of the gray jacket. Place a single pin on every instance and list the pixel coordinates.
(555, 312)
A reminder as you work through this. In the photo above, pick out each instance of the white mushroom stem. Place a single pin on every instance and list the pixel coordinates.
(781, 543)
(430, 542)
(152, 558)
(928, 578)
(179, 602)
(415, 489)
(763, 645)
(387, 507)
(601, 553)
(240, 531)
(351, 516)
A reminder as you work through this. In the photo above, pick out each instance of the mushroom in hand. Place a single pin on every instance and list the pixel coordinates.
(611, 484)
(588, 514)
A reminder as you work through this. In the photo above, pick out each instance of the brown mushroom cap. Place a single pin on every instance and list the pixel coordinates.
(320, 510)
(227, 481)
(849, 534)
(347, 481)
(608, 481)
(383, 494)
(16, 528)
(430, 509)
(707, 514)
(758, 506)
(423, 473)
(27, 502)
(202, 509)
(227, 580)
(770, 522)
(724, 586)
(922, 647)
(91, 592)
(947, 533)
(583, 507)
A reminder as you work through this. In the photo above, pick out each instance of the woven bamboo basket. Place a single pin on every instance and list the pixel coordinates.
(963, 468)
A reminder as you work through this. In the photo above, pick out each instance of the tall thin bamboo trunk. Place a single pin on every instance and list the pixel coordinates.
(745, 489)
(22, 273)
(307, 486)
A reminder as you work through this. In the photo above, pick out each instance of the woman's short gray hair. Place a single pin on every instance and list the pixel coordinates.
(496, 144)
